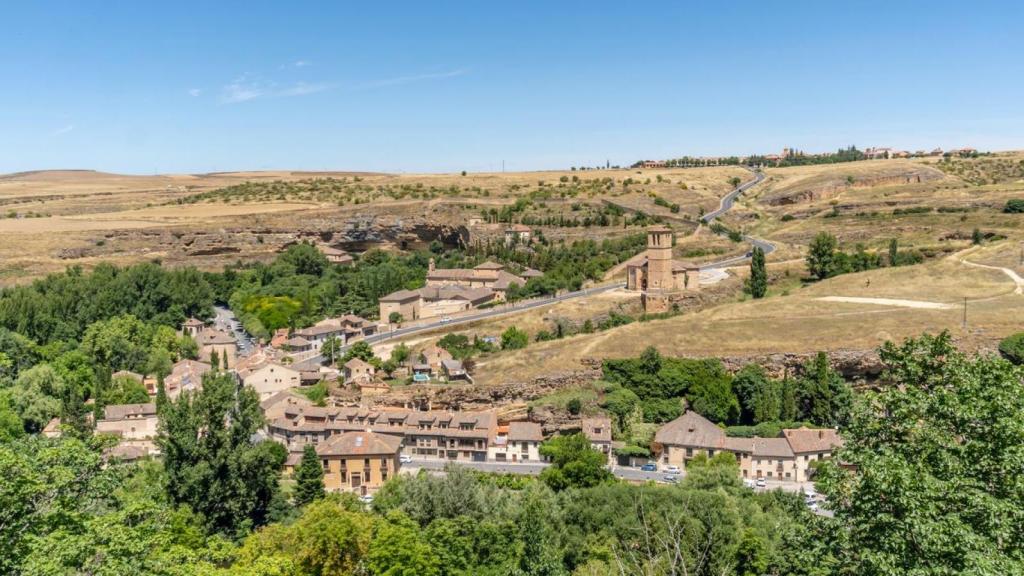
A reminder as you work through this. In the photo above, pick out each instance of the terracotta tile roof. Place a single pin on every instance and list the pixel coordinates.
(360, 444)
(691, 429)
(357, 364)
(772, 447)
(401, 296)
(803, 440)
(525, 431)
(213, 336)
(122, 411)
(193, 323)
(597, 429)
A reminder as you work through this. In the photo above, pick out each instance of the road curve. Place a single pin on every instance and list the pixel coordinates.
(726, 204)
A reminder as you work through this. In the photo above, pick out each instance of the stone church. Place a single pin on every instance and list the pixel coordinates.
(657, 276)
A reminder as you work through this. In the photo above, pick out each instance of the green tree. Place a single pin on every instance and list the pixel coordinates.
(361, 350)
(574, 463)
(46, 485)
(309, 477)
(758, 282)
(894, 252)
(37, 396)
(395, 318)
(1012, 348)
(400, 549)
(513, 339)
(211, 461)
(933, 483)
(721, 470)
(821, 256)
(977, 237)
(824, 397)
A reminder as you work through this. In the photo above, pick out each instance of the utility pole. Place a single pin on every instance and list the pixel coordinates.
(965, 312)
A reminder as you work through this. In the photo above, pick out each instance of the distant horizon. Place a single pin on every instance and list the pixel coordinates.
(579, 167)
(195, 88)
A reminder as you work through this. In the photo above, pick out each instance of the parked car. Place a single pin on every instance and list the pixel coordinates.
(405, 459)
(671, 479)
(760, 483)
(673, 469)
(748, 482)
(446, 319)
(366, 499)
(649, 467)
(813, 506)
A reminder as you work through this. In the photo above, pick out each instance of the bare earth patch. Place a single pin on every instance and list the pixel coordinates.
(889, 302)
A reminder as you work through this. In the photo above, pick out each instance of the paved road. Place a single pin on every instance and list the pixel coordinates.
(726, 204)
(729, 199)
(224, 319)
(487, 313)
(621, 472)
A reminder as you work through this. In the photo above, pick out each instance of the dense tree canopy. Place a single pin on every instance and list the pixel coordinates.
(213, 463)
(934, 482)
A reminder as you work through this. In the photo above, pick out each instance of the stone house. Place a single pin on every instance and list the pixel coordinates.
(185, 375)
(129, 421)
(212, 340)
(810, 445)
(599, 432)
(786, 458)
(269, 378)
(517, 442)
(517, 234)
(335, 255)
(357, 370)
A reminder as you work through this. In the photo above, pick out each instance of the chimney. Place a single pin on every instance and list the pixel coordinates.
(821, 434)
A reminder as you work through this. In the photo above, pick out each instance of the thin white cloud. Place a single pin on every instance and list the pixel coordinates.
(63, 130)
(195, 92)
(400, 80)
(243, 90)
(301, 89)
(301, 63)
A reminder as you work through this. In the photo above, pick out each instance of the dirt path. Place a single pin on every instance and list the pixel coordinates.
(1013, 275)
(889, 302)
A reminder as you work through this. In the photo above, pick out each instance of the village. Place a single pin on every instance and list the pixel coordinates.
(362, 440)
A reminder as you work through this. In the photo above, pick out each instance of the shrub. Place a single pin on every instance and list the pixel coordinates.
(1012, 348)
(1014, 206)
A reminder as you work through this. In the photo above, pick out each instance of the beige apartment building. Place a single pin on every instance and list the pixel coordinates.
(785, 458)
(358, 462)
(437, 434)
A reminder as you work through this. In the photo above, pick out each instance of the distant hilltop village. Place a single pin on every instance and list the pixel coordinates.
(794, 157)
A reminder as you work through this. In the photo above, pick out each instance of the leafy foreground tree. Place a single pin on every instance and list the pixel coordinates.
(309, 478)
(212, 462)
(936, 458)
(574, 463)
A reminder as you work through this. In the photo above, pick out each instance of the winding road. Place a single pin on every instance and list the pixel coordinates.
(726, 204)
(728, 201)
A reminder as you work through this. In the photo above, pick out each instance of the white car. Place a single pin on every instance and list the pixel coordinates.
(760, 483)
(748, 482)
(672, 469)
(366, 499)
(446, 319)
(405, 459)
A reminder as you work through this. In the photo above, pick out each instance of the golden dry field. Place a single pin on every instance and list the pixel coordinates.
(885, 305)
(52, 219)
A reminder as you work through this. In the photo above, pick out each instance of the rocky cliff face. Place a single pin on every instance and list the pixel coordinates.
(830, 186)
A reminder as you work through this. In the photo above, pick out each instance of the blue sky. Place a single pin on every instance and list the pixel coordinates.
(143, 87)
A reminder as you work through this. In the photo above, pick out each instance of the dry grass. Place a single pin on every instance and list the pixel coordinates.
(799, 322)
